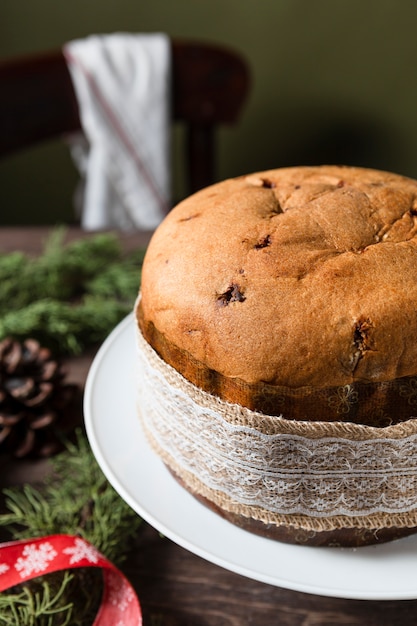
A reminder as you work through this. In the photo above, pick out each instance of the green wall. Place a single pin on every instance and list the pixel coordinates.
(333, 81)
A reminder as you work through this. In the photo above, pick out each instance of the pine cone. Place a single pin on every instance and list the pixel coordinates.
(35, 401)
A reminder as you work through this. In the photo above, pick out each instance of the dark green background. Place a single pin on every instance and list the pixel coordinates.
(333, 81)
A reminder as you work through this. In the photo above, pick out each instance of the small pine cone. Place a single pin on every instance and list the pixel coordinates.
(35, 402)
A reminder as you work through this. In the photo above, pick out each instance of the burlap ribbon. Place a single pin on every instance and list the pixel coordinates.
(310, 475)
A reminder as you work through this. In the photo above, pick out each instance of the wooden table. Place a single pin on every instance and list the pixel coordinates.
(177, 588)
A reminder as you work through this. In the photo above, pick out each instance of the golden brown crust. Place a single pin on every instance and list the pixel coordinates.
(294, 277)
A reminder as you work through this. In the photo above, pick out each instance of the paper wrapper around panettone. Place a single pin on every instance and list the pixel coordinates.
(317, 482)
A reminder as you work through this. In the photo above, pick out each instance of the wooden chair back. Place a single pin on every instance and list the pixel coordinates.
(210, 84)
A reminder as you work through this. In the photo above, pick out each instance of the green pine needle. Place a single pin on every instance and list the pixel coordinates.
(76, 499)
(37, 606)
(70, 297)
(66, 328)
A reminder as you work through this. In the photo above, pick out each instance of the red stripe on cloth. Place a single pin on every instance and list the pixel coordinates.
(120, 131)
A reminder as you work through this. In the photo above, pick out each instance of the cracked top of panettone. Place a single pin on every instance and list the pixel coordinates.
(301, 276)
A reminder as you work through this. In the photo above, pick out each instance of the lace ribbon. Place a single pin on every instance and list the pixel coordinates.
(22, 560)
(311, 475)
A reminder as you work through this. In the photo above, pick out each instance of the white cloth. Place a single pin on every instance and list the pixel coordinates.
(122, 83)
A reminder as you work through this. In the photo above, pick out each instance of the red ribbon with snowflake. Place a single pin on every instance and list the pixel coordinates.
(22, 560)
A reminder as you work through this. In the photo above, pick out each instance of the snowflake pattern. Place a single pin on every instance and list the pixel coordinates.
(82, 550)
(120, 594)
(35, 558)
(4, 568)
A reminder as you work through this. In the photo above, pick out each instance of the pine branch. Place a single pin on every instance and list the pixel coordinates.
(56, 599)
(63, 327)
(37, 605)
(76, 499)
(70, 296)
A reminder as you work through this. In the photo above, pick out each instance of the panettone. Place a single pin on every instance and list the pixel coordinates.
(283, 306)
